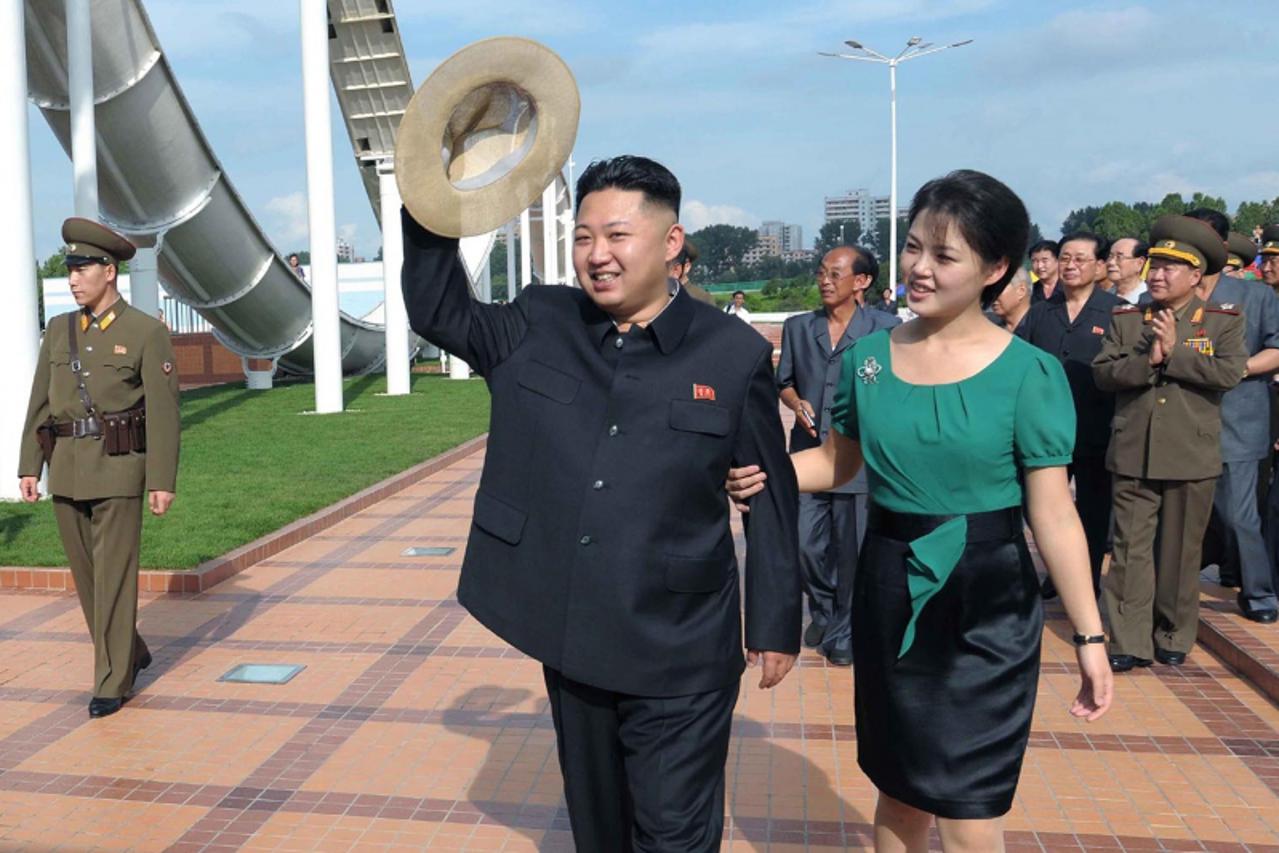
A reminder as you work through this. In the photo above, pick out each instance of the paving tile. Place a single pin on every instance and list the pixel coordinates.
(413, 727)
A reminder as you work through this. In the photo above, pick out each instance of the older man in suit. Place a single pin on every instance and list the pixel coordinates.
(830, 523)
(601, 543)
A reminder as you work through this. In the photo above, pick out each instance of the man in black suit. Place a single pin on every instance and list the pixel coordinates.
(1072, 325)
(831, 524)
(601, 543)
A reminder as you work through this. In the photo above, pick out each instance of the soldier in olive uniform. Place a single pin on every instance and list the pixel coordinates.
(1169, 364)
(104, 416)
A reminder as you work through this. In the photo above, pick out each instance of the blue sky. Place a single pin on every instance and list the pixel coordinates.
(1069, 103)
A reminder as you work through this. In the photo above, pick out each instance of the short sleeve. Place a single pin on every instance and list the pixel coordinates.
(1044, 424)
(843, 412)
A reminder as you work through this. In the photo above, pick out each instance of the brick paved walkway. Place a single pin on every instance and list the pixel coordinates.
(412, 727)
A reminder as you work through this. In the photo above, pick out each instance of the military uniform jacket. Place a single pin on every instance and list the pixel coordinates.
(1245, 409)
(129, 360)
(1075, 344)
(600, 542)
(810, 366)
(1167, 422)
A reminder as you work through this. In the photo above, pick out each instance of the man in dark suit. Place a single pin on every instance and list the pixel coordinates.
(831, 524)
(601, 543)
(1072, 326)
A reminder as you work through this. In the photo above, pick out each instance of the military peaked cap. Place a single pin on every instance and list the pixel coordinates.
(1190, 241)
(1270, 240)
(1240, 251)
(89, 242)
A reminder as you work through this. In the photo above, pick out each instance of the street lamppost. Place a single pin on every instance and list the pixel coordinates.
(915, 48)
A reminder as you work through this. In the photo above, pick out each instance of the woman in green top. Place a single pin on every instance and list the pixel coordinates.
(951, 414)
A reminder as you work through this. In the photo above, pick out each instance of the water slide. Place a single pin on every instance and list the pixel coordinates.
(160, 182)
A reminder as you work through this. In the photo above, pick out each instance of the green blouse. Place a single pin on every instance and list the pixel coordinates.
(952, 449)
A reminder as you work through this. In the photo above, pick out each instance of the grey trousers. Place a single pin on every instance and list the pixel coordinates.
(1234, 505)
(831, 529)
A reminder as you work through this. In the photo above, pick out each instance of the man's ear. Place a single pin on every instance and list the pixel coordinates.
(674, 241)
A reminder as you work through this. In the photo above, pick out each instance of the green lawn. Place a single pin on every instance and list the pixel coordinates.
(252, 462)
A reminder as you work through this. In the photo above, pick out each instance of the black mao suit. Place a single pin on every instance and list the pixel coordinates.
(601, 545)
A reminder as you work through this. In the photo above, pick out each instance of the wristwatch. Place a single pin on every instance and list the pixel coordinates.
(1087, 639)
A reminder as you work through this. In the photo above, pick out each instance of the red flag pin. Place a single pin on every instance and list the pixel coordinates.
(703, 392)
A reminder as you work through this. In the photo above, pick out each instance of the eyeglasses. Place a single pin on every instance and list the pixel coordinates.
(832, 275)
(1119, 256)
(1078, 260)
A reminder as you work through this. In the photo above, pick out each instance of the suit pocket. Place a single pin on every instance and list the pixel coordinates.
(706, 418)
(548, 382)
(1117, 423)
(696, 574)
(498, 518)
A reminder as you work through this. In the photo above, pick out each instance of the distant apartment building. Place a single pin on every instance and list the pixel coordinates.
(860, 206)
(766, 246)
(346, 252)
(789, 237)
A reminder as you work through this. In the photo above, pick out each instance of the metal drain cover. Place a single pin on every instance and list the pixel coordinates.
(417, 551)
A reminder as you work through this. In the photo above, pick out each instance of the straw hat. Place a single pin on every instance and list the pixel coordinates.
(484, 135)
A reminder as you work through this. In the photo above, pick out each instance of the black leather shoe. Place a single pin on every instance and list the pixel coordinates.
(1168, 658)
(1265, 617)
(102, 707)
(841, 655)
(141, 664)
(1123, 663)
(1230, 581)
(1048, 590)
(814, 633)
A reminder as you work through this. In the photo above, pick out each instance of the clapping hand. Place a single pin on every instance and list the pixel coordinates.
(1165, 326)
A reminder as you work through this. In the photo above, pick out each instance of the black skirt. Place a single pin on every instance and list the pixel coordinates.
(944, 728)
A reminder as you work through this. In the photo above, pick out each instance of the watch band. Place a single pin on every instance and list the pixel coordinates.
(1088, 639)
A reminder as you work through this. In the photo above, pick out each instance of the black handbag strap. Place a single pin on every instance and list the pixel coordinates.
(74, 345)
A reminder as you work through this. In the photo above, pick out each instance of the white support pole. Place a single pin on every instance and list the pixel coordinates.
(570, 273)
(526, 251)
(84, 137)
(325, 335)
(20, 322)
(512, 284)
(486, 283)
(892, 182)
(550, 241)
(144, 281)
(458, 369)
(396, 314)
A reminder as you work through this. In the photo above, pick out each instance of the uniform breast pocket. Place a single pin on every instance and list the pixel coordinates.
(548, 382)
(704, 418)
(118, 368)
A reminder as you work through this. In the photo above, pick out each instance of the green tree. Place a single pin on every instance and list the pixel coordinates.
(1253, 213)
(54, 266)
(721, 248)
(1118, 219)
(1211, 202)
(829, 237)
(1035, 234)
(1083, 219)
(881, 241)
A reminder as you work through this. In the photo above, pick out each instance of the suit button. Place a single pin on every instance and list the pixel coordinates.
(585, 540)
(597, 485)
(618, 343)
(613, 430)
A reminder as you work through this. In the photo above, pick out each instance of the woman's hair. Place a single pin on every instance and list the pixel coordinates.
(989, 216)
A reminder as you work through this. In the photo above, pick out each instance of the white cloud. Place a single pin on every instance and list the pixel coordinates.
(347, 232)
(697, 215)
(289, 217)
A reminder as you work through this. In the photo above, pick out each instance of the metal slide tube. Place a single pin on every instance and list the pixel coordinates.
(326, 339)
(20, 321)
(84, 141)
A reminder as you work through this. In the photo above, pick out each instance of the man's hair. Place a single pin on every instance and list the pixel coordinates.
(1218, 220)
(864, 263)
(989, 216)
(740, 293)
(1045, 246)
(1141, 249)
(630, 172)
(1099, 245)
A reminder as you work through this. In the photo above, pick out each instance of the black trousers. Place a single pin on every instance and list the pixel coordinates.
(641, 773)
(831, 529)
(1093, 503)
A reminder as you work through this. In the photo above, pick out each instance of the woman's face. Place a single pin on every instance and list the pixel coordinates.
(944, 276)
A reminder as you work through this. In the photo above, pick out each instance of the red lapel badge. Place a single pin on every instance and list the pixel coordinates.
(1098, 330)
(703, 392)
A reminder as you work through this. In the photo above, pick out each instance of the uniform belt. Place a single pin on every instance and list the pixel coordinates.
(78, 428)
(994, 526)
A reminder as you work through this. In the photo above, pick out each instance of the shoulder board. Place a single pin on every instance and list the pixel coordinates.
(1220, 309)
(1126, 308)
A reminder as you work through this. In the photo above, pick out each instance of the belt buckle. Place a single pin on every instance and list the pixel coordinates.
(86, 428)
